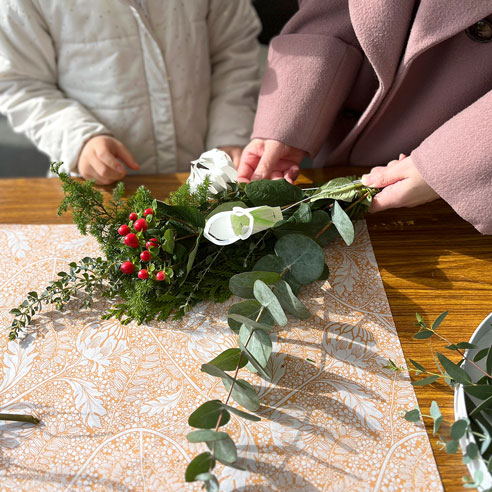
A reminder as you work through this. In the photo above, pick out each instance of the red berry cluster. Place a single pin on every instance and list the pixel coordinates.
(131, 240)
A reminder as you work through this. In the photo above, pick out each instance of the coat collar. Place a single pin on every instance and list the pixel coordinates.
(384, 26)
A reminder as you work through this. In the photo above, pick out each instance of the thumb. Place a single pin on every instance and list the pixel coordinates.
(380, 177)
(124, 154)
(272, 153)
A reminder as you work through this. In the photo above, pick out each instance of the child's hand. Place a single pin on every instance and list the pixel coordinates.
(102, 160)
(269, 159)
(402, 184)
(234, 153)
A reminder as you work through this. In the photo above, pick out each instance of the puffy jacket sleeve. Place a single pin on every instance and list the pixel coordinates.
(456, 161)
(29, 95)
(234, 54)
(310, 70)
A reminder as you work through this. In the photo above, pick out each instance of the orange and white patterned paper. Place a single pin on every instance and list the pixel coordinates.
(114, 400)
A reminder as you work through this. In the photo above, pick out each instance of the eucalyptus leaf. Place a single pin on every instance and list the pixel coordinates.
(472, 450)
(434, 410)
(412, 415)
(240, 413)
(417, 366)
(242, 284)
(437, 425)
(486, 404)
(272, 263)
(461, 346)
(459, 428)
(488, 364)
(274, 193)
(215, 371)
(481, 354)
(210, 481)
(206, 435)
(439, 320)
(266, 298)
(244, 394)
(228, 360)
(202, 463)
(223, 449)
(302, 215)
(256, 366)
(452, 447)
(289, 301)
(454, 371)
(249, 309)
(207, 415)
(422, 335)
(324, 276)
(250, 323)
(488, 439)
(425, 381)
(302, 256)
(482, 391)
(257, 343)
(343, 223)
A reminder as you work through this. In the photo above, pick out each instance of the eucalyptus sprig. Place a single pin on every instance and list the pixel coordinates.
(454, 374)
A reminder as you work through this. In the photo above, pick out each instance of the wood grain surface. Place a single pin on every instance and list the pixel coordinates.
(429, 258)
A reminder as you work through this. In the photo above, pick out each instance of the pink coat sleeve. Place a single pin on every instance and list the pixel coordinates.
(310, 70)
(456, 161)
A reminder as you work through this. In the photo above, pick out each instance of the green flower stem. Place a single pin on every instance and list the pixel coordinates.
(30, 419)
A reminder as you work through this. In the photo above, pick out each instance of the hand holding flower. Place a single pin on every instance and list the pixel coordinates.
(402, 184)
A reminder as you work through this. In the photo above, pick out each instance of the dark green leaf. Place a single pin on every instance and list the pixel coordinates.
(289, 301)
(417, 366)
(272, 263)
(244, 394)
(439, 320)
(228, 360)
(412, 415)
(189, 215)
(482, 391)
(324, 276)
(192, 256)
(214, 371)
(486, 404)
(206, 435)
(274, 193)
(343, 223)
(266, 298)
(337, 189)
(202, 463)
(207, 415)
(302, 215)
(242, 414)
(461, 346)
(302, 256)
(242, 284)
(454, 371)
(226, 207)
(481, 354)
(224, 449)
(427, 380)
(459, 429)
(489, 361)
(249, 309)
(452, 447)
(472, 450)
(422, 335)
(169, 241)
(210, 481)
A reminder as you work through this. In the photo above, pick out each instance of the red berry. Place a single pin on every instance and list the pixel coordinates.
(133, 216)
(145, 256)
(140, 225)
(127, 268)
(131, 240)
(148, 211)
(160, 276)
(143, 274)
(151, 244)
(123, 230)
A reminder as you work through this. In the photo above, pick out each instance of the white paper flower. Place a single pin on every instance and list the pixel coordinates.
(218, 166)
(239, 223)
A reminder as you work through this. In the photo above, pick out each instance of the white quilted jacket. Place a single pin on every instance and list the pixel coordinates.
(169, 86)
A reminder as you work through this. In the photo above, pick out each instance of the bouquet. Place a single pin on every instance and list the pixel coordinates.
(212, 238)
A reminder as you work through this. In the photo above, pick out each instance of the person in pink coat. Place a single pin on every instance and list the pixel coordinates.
(370, 82)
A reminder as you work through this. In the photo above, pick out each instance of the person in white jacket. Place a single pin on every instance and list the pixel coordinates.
(115, 86)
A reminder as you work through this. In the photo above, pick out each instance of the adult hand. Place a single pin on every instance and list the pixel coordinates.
(269, 159)
(234, 153)
(402, 184)
(102, 160)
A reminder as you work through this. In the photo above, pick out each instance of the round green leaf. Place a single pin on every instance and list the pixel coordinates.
(249, 309)
(206, 435)
(202, 463)
(266, 298)
(228, 360)
(244, 394)
(224, 449)
(207, 415)
(242, 414)
(452, 447)
(343, 223)
(250, 323)
(289, 301)
(242, 284)
(272, 263)
(459, 428)
(210, 481)
(302, 256)
(412, 415)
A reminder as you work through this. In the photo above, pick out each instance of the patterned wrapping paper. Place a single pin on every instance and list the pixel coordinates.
(114, 400)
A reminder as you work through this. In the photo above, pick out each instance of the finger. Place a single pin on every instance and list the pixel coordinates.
(268, 160)
(102, 172)
(277, 175)
(383, 176)
(124, 154)
(392, 163)
(99, 178)
(291, 174)
(393, 196)
(247, 165)
(401, 157)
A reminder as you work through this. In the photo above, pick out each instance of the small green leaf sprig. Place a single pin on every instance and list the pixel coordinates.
(452, 374)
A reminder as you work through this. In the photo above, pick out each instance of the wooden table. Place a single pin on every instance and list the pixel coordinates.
(430, 261)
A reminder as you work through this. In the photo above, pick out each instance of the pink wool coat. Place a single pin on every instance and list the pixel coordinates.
(360, 81)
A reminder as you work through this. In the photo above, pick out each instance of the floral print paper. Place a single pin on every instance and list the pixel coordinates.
(114, 400)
